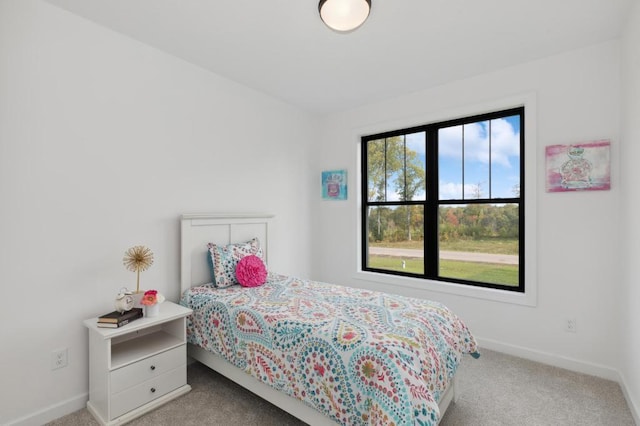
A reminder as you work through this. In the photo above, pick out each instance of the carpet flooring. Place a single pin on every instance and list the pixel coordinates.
(494, 390)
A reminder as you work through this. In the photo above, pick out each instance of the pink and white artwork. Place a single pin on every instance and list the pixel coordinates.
(578, 167)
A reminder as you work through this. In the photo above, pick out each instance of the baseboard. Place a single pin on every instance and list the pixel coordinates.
(52, 412)
(635, 412)
(555, 360)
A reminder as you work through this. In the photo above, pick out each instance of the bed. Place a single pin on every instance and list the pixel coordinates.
(326, 354)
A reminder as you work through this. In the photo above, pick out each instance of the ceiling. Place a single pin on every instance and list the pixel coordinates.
(282, 48)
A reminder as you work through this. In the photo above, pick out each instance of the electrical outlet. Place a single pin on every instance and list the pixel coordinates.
(570, 325)
(59, 358)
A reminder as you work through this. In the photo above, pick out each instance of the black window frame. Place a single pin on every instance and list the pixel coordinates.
(432, 200)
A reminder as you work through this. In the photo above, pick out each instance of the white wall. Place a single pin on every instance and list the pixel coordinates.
(578, 100)
(630, 232)
(104, 142)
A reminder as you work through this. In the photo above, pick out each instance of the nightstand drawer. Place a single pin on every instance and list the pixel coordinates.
(139, 395)
(146, 369)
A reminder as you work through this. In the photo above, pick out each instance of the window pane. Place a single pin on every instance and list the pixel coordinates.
(479, 242)
(415, 155)
(505, 157)
(476, 160)
(396, 238)
(450, 180)
(395, 167)
(375, 170)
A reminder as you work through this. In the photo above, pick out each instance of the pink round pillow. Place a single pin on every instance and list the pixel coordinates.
(251, 271)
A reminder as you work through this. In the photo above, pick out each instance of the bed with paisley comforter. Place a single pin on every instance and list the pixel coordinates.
(357, 357)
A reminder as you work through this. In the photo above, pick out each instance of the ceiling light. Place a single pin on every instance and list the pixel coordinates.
(344, 15)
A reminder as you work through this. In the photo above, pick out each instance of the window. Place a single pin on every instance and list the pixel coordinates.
(445, 201)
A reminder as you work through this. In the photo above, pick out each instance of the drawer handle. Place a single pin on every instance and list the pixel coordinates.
(153, 367)
(153, 390)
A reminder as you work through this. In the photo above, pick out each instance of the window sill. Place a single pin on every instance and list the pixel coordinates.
(527, 299)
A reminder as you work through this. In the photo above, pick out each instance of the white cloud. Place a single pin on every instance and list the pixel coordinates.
(415, 141)
(453, 191)
(505, 142)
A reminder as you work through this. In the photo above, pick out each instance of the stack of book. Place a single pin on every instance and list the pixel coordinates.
(116, 319)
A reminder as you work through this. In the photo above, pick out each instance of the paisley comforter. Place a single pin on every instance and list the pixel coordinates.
(357, 356)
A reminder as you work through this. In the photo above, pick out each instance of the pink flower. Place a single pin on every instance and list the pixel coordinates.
(148, 299)
(151, 297)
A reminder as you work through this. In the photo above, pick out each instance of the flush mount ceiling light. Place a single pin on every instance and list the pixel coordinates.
(344, 15)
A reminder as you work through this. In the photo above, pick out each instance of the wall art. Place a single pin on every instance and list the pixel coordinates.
(578, 167)
(334, 185)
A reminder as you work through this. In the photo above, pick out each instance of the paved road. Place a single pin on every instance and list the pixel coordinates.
(505, 259)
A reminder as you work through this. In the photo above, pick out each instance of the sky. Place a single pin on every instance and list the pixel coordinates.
(489, 163)
(491, 160)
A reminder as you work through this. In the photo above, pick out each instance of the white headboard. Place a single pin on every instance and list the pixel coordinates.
(199, 229)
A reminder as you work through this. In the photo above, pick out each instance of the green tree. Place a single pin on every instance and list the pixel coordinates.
(413, 182)
(391, 163)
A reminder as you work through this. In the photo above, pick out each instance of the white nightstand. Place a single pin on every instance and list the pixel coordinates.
(138, 367)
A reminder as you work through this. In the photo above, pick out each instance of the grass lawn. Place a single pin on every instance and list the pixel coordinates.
(485, 272)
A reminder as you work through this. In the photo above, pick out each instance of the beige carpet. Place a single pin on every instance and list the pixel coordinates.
(495, 390)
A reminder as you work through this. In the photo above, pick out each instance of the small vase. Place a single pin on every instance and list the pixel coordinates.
(151, 311)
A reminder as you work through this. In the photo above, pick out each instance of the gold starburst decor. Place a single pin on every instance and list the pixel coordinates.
(136, 259)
